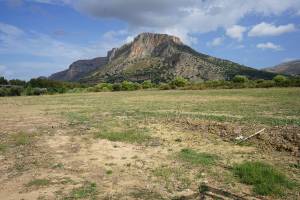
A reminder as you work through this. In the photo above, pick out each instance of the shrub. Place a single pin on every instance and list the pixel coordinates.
(164, 86)
(14, 91)
(29, 91)
(147, 84)
(179, 82)
(3, 92)
(128, 86)
(76, 90)
(265, 178)
(104, 87)
(239, 79)
(281, 80)
(116, 87)
(265, 84)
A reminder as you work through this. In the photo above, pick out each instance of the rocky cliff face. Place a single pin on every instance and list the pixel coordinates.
(159, 57)
(79, 69)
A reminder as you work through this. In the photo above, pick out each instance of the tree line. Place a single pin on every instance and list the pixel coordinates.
(42, 86)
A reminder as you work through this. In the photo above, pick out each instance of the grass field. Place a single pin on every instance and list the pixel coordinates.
(150, 144)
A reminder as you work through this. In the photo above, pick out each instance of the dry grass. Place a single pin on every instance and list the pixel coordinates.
(128, 145)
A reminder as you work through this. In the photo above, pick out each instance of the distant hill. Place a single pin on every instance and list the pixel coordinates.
(289, 68)
(79, 69)
(156, 57)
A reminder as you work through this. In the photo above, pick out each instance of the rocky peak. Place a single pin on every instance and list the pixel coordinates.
(155, 38)
(144, 44)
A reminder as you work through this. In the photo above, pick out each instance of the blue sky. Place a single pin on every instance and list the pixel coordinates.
(40, 37)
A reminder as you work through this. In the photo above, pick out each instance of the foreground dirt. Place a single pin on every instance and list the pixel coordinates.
(68, 156)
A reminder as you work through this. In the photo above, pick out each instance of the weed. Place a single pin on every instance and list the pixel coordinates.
(265, 178)
(193, 157)
(87, 191)
(38, 183)
(22, 139)
(109, 172)
(130, 136)
(3, 147)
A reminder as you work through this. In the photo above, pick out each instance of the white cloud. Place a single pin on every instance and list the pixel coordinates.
(236, 32)
(182, 18)
(216, 42)
(269, 45)
(265, 29)
(10, 30)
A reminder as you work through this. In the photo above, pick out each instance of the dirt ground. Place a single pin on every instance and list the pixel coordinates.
(46, 155)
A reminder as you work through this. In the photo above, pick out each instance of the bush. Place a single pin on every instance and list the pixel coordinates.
(3, 92)
(178, 82)
(164, 86)
(281, 80)
(129, 86)
(15, 91)
(240, 79)
(104, 87)
(265, 84)
(76, 90)
(29, 91)
(147, 84)
(117, 87)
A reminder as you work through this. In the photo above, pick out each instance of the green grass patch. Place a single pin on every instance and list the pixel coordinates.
(265, 178)
(38, 183)
(3, 147)
(109, 172)
(22, 139)
(130, 136)
(87, 191)
(76, 117)
(196, 158)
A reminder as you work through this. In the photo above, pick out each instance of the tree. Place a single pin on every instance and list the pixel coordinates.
(147, 84)
(179, 82)
(17, 82)
(280, 79)
(3, 81)
(240, 79)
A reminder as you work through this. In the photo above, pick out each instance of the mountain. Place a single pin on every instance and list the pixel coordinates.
(79, 69)
(158, 57)
(288, 68)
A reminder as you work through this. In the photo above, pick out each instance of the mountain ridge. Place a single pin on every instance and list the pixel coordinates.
(291, 68)
(160, 58)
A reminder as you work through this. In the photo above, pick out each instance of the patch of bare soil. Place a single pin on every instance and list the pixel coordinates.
(278, 138)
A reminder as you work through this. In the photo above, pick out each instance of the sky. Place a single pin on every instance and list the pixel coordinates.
(40, 37)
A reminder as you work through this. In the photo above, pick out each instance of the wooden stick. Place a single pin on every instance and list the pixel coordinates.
(252, 135)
